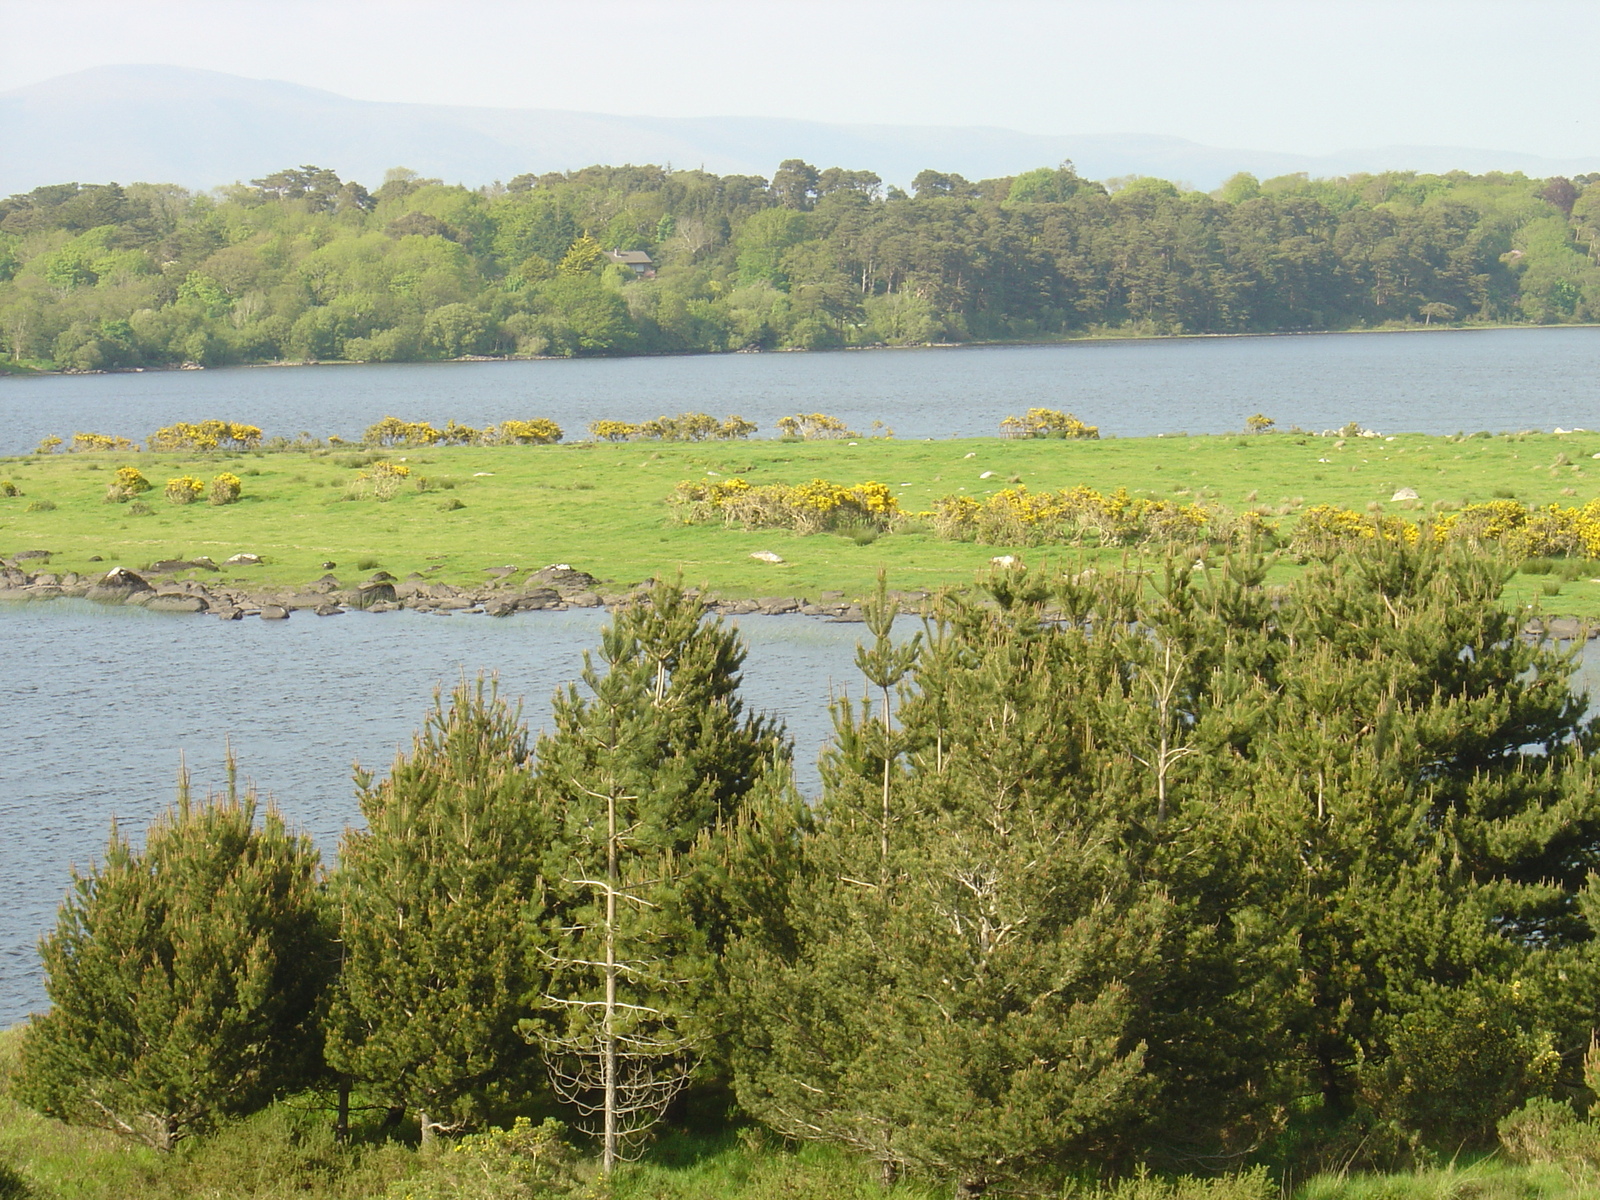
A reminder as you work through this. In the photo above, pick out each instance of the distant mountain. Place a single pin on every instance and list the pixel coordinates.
(205, 128)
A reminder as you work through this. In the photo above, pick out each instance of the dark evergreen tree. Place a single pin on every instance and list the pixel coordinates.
(184, 978)
(442, 910)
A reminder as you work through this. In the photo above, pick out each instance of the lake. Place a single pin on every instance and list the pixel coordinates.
(1426, 382)
(100, 704)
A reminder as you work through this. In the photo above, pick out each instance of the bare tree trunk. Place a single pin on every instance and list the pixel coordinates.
(341, 1123)
(609, 1153)
(427, 1127)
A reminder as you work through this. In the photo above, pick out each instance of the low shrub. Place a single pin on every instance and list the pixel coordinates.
(139, 509)
(7, 488)
(541, 431)
(1047, 423)
(205, 435)
(612, 431)
(1078, 515)
(48, 445)
(814, 427)
(813, 507)
(450, 504)
(41, 506)
(525, 1162)
(694, 427)
(125, 485)
(185, 489)
(392, 431)
(382, 482)
(225, 489)
(95, 442)
(1534, 533)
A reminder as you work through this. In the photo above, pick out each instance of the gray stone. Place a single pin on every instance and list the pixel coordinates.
(774, 605)
(177, 602)
(21, 555)
(584, 600)
(369, 594)
(328, 610)
(274, 612)
(228, 614)
(242, 560)
(116, 586)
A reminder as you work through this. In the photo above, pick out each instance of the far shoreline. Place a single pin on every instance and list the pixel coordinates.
(10, 371)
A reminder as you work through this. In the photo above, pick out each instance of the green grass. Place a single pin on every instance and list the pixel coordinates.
(601, 507)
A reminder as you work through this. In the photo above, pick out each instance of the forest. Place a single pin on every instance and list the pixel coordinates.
(1111, 873)
(303, 266)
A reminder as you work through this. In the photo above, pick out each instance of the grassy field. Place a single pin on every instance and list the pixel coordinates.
(600, 507)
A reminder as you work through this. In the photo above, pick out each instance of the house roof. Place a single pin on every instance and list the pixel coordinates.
(631, 258)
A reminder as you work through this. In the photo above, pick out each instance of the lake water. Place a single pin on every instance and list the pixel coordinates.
(97, 705)
(1430, 382)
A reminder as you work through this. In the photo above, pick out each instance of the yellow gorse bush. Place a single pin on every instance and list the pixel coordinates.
(612, 431)
(392, 431)
(93, 442)
(541, 431)
(814, 427)
(1548, 531)
(225, 488)
(1016, 516)
(205, 435)
(185, 489)
(811, 507)
(127, 483)
(1047, 423)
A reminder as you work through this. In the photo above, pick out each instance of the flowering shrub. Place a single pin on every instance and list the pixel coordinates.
(1016, 516)
(381, 482)
(1047, 423)
(225, 489)
(185, 489)
(48, 445)
(7, 488)
(541, 431)
(694, 427)
(205, 435)
(612, 431)
(814, 427)
(125, 485)
(392, 431)
(92, 442)
(1550, 531)
(812, 507)
(527, 1161)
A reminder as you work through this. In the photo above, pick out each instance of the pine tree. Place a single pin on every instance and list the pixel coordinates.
(963, 1002)
(442, 910)
(184, 978)
(650, 767)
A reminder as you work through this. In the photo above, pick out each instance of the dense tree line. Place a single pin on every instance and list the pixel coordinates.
(303, 266)
(1106, 870)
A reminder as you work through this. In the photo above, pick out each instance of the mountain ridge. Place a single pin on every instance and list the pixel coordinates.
(203, 129)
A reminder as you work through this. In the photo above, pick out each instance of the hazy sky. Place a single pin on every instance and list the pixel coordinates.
(1308, 76)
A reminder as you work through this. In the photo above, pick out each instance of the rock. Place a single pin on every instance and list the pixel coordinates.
(773, 605)
(564, 577)
(328, 566)
(384, 606)
(177, 602)
(242, 560)
(380, 577)
(46, 579)
(501, 608)
(1563, 629)
(1405, 494)
(171, 566)
(203, 561)
(228, 614)
(21, 555)
(1005, 560)
(95, 558)
(116, 586)
(987, 475)
(369, 594)
(500, 572)
(767, 556)
(274, 612)
(328, 610)
(140, 599)
(584, 600)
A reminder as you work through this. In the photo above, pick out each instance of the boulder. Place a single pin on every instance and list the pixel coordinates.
(564, 578)
(369, 594)
(767, 556)
(116, 586)
(22, 555)
(328, 610)
(774, 605)
(228, 614)
(1404, 494)
(177, 602)
(242, 560)
(274, 612)
(584, 600)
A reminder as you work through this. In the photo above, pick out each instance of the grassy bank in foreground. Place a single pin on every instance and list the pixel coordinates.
(601, 506)
(289, 1151)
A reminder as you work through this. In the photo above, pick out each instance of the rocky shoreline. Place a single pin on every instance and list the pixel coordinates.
(172, 586)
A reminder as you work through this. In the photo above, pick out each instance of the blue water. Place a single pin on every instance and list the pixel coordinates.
(1430, 382)
(101, 706)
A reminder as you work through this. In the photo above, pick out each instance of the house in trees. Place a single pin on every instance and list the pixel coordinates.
(635, 260)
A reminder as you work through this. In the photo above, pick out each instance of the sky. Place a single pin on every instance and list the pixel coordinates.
(1302, 76)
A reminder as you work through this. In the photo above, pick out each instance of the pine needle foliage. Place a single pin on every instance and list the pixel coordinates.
(184, 978)
(441, 903)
